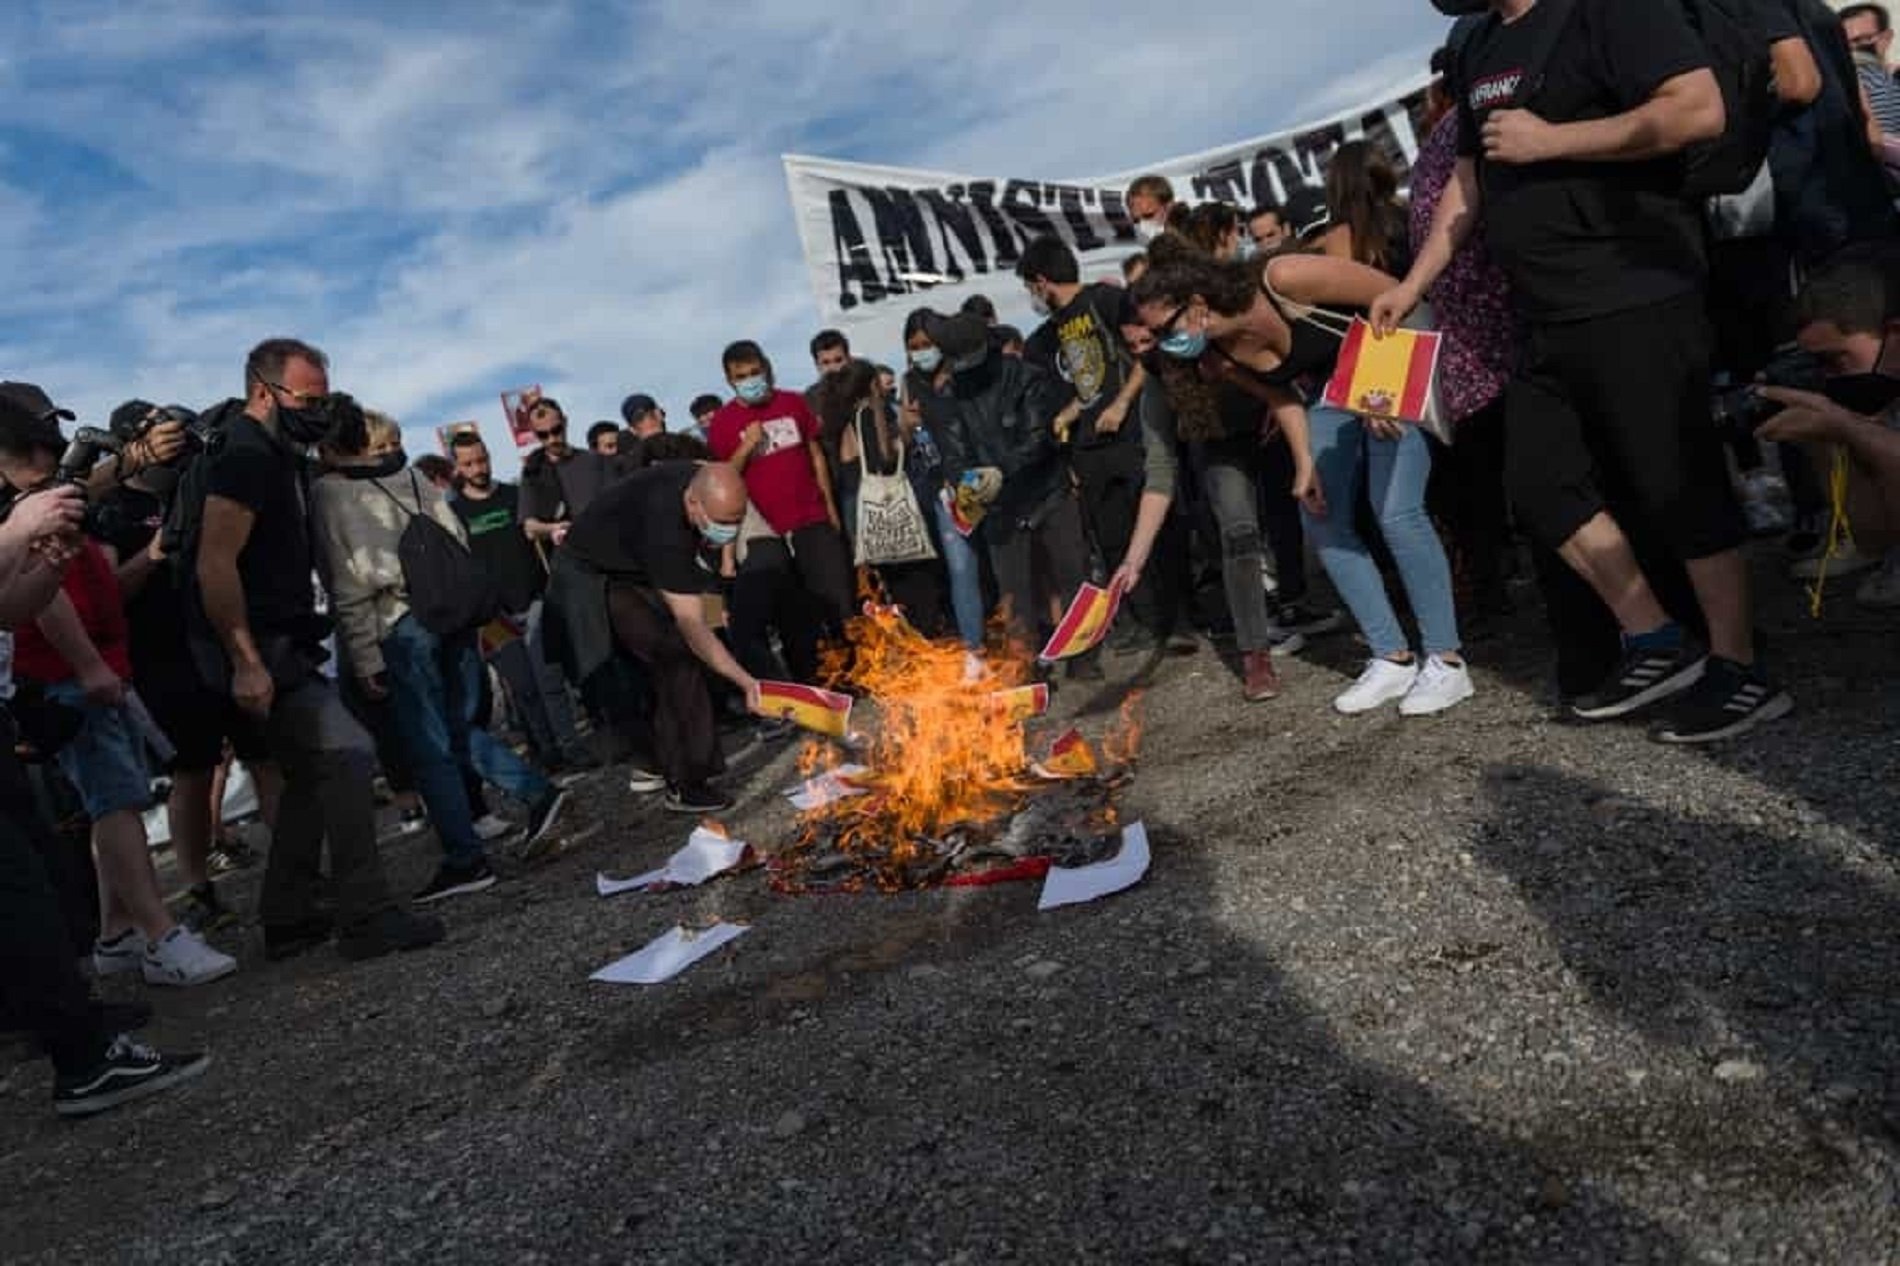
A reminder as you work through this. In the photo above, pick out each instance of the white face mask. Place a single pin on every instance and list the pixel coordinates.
(1039, 303)
(1148, 230)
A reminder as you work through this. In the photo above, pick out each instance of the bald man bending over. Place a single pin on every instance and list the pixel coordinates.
(656, 537)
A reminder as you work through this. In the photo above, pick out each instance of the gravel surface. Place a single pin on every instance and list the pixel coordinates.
(1484, 988)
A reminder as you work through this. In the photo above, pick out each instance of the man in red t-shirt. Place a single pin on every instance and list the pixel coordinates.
(771, 437)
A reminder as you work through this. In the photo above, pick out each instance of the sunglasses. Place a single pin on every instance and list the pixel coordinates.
(298, 396)
(550, 433)
(1166, 329)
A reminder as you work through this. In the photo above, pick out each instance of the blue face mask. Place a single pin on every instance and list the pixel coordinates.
(754, 390)
(718, 535)
(1183, 345)
(926, 359)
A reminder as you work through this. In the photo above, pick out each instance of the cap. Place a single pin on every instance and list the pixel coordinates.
(130, 416)
(958, 337)
(1306, 211)
(30, 399)
(637, 406)
(980, 306)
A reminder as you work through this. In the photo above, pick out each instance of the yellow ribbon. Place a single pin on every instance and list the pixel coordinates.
(1837, 528)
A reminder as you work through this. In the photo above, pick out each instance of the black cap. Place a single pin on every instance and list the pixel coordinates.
(980, 306)
(959, 336)
(635, 407)
(1306, 212)
(30, 399)
(130, 416)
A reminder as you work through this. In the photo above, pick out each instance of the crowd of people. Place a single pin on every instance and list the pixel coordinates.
(1634, 380)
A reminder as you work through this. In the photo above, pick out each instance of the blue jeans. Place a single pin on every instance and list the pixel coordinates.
(434, 688)
(1398, 471)
(966, 577)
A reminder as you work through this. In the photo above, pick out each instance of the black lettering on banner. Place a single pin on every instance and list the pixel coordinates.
(1074, 200)
(1115, 211)
(956, 218)
(908, 254)
(1222, 183)
(855, 265)
(1008, 249)
(1022, 203)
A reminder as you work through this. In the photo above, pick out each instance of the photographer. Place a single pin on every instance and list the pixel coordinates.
(1847, 318)
(253, 570)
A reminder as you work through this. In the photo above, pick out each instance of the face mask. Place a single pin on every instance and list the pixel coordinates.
(1461, 8)
(754, 390)
(1869, 395)
(1039, 303)
(718, 535)
(304, 425)
(926, 359)
(1183, 345)
(1147, 231)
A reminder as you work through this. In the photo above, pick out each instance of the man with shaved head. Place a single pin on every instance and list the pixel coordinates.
(656, 539)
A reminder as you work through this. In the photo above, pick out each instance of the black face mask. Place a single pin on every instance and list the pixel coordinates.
(1461, 8)
(307, 425)
(1866, 394)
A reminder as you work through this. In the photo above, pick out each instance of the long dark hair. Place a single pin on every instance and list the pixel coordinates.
(1362, 193)
(840, 399)
(1207, 223)
(1178, 270)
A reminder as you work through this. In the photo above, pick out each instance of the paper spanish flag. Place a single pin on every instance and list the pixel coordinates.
(1084, 624)
(498, 634)
(1070, 756)
(1390, 377)
(820, 711)
(1023, 702)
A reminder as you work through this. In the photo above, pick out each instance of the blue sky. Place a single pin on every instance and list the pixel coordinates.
(453, 199)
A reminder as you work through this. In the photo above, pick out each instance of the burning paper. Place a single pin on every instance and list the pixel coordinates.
(1022, 703)
(1067, 887)
(1070, 756)
(828, 788)
(820, 711)
(1085, 623)
(669, 954)
(707, 853)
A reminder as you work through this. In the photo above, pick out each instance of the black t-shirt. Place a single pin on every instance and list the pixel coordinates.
(497, 541)
(277, 566)
(554, 493)
(1080, 344)
(155, 619)
(1578, 239)
(636, 533)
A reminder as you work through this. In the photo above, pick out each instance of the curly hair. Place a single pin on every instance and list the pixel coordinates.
(1178, 270)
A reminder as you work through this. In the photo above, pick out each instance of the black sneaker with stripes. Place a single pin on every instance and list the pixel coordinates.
(130, 1070)
(1730, 699)
(1643, 677)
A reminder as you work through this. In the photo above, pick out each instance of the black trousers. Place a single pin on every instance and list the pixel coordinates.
(1466, 495)
(1113, 478)
(803, 586)
(685, 733)
(1034, 561)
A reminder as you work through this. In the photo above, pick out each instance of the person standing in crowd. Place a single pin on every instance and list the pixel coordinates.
(96, 1065)
(1215, 227)
(197, 721)
(252, 566)
(437, 469)
(998, 429)
(1583, 210)
(1078, 342)
(1266, 225)
(604, 438)
(926, 389)
(558, 481)
(432, 682)
(1869, 32)
(771, 438)
(1265, 323)
(490, 511)
(644, 419)
(76, 650)
(830, 353)
(656, 538)
(1367, 219)
(982, 308)
(1150, 203)
(702, 409)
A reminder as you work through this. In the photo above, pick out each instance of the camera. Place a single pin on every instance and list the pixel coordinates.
(135, 419)
(83, 452)
(1746, 409)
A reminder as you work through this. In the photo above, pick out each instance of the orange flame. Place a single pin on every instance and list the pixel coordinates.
(1122, 744)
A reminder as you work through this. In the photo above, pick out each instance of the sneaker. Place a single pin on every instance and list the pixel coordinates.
(1381, 683)
(180, 958)
(232, 853)
(201, 910)
(1269, 581)
(1847, 561)
(1440, 685)
(544, 817)
(1730, 699)
(1285, 641)
(697, 799)
(287, 940)
(644, 782)
(1642, 678)
(386, 932)
(413, 821)
(456, 881)
(1764, 502)
(1881, 591)
(492, 826)
(1297, 617)
(131, 1070)
(1259, 681)
(119, 956)
(973, 670)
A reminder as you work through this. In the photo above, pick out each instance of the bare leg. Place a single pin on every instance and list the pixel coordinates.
(189, 811)
(1721, 587)
(128, 886)
(1600, 553)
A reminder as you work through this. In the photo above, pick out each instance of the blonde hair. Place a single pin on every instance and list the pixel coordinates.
(383, 433)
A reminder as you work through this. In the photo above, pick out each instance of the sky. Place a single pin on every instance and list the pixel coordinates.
(456, 199)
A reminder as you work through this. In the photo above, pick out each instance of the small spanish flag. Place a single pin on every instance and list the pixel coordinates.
(820, 711)
(1023, 702)
(1390, 377)
(1084, 624)
(1070, 756)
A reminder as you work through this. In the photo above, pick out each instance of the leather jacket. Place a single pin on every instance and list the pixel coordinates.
(1001, 414)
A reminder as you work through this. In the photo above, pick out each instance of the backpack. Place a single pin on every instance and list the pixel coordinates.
(450, 592)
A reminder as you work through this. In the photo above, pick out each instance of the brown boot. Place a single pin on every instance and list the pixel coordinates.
(1259, 678)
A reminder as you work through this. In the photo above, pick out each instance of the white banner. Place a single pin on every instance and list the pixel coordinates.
(881, 240)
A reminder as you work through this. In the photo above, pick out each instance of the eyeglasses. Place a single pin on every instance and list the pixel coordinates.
(298, 396)
(550, 433)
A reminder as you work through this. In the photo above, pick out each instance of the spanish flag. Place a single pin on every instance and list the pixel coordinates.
(820, 711)
(1021, 703)
(1084, 624)
(1390, 377)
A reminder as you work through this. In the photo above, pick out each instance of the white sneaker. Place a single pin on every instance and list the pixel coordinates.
(1881, 590)
(1846, 562)
(119, 957)
(492, 826)
(644, 782)
(1383, 682)
(973, 668)
(1439, 686)
(181, 958)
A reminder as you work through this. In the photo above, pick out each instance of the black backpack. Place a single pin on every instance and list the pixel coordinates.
(450, 592)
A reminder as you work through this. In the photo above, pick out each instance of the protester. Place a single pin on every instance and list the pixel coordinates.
(655, 538)
(1215, 227)
(252, 571)
(926, 388)
(438, 470)
(1133, 267)
(1869, 32)
(702, 409)
(1266, 225)
(490, 511)
(76, 651)
(96, 1065)
(604, 438)
(1368, 221)
(645, 420)
(558, 481)
(1607, 267)
(982, 308)
(1265, 324)
(1150, 203)
(830, 353)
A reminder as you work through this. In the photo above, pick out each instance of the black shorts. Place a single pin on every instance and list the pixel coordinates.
(198, 720)
(1617, 408)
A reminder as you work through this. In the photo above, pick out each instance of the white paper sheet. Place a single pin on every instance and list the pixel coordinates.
(707, 853)
(669, 954)
(827, 788)
(1112, 875)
